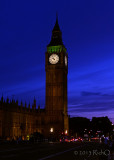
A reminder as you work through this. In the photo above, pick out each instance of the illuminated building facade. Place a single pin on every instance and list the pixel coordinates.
(16, 121)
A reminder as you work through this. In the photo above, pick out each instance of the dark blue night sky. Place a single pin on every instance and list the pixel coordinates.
(88, 34)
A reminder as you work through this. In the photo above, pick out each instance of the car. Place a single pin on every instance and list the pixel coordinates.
(79, 139)
(64, 139)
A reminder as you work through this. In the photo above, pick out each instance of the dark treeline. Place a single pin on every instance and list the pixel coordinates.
(79, 126)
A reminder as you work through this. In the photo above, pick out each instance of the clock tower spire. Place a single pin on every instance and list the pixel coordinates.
(56, 38)
(56, 67)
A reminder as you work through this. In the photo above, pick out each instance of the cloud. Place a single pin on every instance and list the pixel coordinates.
(94, 109)
(85, 93)
(109, 114)
(88, 103)
(106, 95)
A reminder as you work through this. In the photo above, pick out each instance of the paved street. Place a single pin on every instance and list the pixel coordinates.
(54, 151)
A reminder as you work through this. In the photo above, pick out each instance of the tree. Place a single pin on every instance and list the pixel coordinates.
(102, 124)
(77, 125)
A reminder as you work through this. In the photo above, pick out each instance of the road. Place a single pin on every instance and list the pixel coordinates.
(54, 151)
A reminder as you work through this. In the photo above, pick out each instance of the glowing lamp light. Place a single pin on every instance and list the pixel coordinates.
(28, 137)
(66, 131)
(51, 130)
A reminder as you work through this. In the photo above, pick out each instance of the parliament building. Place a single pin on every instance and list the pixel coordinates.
(22, 120)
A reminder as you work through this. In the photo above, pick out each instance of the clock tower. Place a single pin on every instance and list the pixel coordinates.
(56, 67)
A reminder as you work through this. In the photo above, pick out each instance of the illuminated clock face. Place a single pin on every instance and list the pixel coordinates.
(54, 58)
(65, 60)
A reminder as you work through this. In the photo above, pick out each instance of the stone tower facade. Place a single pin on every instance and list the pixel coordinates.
(56, 67)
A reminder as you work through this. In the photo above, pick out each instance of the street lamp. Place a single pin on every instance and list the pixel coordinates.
(51, 134)
(66, 132)
(51, 130)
